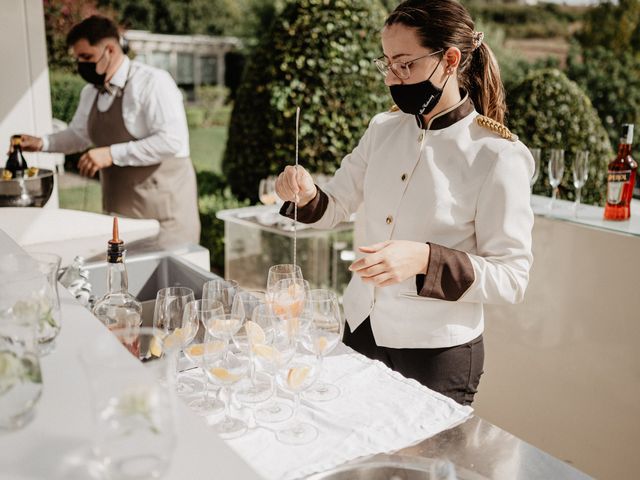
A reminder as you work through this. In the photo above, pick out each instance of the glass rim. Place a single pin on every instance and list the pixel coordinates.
(169, 292)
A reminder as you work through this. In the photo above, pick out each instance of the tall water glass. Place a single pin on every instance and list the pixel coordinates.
(580, 175)
(20, 374)
(556, 171)
(536, 153)
(133, 405)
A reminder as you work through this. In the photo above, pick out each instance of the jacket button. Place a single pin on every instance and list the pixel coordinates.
(403, 177)
(420, 137)
(389, 220)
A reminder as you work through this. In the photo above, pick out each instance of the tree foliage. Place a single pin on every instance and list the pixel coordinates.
(59, 17)
(613, 26)
(612, 82)
(547, 110)
(317, 55)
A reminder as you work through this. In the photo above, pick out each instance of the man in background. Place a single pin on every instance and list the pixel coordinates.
(132, 119)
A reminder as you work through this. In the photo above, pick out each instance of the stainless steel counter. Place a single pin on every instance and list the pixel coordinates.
(477, 449)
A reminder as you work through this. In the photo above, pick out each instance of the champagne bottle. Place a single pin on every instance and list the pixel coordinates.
(16, 164)
(621, 177)
(117, 308)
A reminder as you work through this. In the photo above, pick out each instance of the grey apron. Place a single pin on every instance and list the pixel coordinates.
(166, 191)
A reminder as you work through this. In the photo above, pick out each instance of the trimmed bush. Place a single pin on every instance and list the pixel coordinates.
(65, 94)
(547, 110)
(612, 82)
(214, 196)
(317, 55)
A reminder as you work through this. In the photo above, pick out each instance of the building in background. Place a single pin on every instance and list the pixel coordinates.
(192, 60)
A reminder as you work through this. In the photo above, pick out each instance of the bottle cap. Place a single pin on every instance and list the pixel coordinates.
(16, 140)
(116, 246)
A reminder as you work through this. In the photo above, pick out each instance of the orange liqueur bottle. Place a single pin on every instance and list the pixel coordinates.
(621, 177)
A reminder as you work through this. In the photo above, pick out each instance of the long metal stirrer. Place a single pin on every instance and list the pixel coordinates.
(295, 205)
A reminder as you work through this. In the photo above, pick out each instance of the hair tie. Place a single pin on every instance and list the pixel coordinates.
(477, 39)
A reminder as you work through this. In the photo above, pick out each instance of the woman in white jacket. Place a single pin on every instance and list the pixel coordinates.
(445, 188)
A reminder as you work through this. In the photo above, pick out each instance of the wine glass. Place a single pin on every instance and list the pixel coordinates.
(288, 301)
(536, 154)
(322, 336)
(296, 377)
(221, 290)
(267, 191)
(580, 175)
(244, 304)
(281, 272)
(271, 347)
(201, 346)
(172, 327)
(226, 370)
(556, 171)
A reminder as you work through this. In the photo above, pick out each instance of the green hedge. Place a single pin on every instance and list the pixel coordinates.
(65, 94)
(214, 195)
(317, 55)
(612, 82)
(547, 110)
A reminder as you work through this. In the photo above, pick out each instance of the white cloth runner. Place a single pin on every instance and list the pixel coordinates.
(379, 411)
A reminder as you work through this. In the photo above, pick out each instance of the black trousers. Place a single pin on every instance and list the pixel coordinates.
(452, 371)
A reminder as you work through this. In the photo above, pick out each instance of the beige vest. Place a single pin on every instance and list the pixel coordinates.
(166, 191)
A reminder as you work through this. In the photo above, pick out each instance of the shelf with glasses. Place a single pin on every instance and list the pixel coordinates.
(257, 237)
(586, 215)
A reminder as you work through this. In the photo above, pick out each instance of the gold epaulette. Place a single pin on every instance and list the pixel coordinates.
(394, 108)
(496, 127)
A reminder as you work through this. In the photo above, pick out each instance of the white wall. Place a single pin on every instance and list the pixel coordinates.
(562, 370)
(25, 101)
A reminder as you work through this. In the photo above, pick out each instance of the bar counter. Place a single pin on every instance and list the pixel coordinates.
(53, 445)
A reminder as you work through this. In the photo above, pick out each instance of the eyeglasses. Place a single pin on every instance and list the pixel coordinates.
(402, 70)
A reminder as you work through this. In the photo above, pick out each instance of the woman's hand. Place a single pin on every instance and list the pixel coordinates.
(295, 181)
(391, 262)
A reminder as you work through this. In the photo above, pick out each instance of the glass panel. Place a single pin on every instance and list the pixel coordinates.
(209, 70)
(185, 69)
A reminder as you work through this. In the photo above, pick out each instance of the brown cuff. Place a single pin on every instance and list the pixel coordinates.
(449, 275)
(311, 212)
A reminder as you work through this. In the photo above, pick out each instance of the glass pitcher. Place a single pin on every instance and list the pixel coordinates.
(20, 311)
(133, 404)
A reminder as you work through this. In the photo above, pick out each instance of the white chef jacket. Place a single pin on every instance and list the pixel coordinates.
(462, 187)
(153, 112)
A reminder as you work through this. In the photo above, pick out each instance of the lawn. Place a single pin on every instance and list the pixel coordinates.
(207, 146)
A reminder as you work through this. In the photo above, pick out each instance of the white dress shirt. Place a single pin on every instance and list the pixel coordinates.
(153, 112)
(462, 187)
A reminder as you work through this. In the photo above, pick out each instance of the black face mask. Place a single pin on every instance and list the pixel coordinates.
(417, 98)
(87, 70)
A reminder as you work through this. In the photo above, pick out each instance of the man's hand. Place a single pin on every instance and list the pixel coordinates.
(94, 160)
(30, 144)
(391, 262)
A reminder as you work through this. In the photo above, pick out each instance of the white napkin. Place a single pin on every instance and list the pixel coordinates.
(378, 411)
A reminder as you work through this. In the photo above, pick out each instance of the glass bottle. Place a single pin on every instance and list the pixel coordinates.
(16, 164)
(621, 178)
(117, 308)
